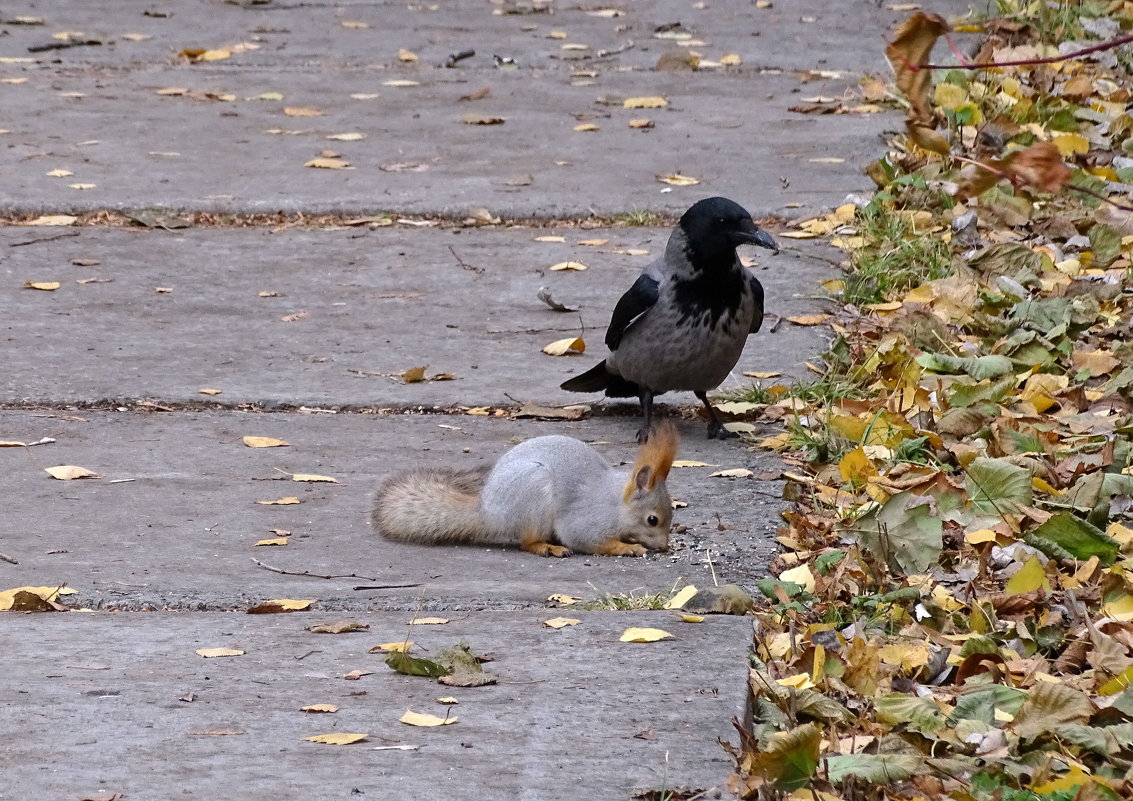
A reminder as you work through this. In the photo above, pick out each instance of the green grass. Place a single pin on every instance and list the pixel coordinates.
(639, 218)
(627, 601)
(897, 259)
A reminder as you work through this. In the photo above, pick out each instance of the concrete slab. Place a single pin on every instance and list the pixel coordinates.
(94, 112)
(181, 532)
(120, 703)
(371, 304)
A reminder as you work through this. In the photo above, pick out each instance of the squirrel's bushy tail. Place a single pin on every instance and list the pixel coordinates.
(431, 506)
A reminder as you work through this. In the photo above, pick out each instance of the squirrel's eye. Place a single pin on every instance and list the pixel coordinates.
(652, 520)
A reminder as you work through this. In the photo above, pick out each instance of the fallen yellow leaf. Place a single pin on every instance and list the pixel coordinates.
(687, 618)
(391, 647)
(638, 634)
(681, 598)
(52, 219)
(46, 593)
(313, 478)
(691, 463)
(265, 442)
(348, 137)
(677, 179)
(428, 621)
(809, 319)
(299, 111)
(213, 653)
(319, 708)
(324, 163)
(59, 173)
(586, 126)
(568, 265)
(338, 738)
(44, 286)
(407, 56)
(735, 472)
(645, 102)
(273, 541)
(425, 719)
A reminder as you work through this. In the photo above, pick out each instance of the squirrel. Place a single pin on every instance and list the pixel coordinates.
(550, 495)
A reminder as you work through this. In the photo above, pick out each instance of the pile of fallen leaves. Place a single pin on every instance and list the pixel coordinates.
(952, 615)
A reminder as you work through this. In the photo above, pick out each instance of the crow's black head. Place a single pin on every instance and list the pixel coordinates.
(714, 227)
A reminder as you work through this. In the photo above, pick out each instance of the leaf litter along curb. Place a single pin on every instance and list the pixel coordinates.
(958, 621)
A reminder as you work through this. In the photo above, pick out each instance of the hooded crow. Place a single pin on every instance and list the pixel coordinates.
(684, 322)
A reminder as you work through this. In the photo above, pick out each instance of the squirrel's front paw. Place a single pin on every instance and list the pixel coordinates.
(619, 548)
(546, 549)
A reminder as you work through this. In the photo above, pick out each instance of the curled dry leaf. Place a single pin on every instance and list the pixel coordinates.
(280, 605)
(482, 119)
(735, 472)
(568, 265)
(338, 627)
(319, 709)
(1039, 166)
(290, 499)
(563, 347)
(560, 622)
(414, 374)
(428, 621)
(907, 51)
(68, 472)
(43, 286)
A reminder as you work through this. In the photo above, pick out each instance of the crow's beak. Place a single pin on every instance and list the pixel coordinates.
(752, 234)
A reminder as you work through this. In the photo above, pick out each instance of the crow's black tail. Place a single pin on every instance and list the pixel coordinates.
(600, 379)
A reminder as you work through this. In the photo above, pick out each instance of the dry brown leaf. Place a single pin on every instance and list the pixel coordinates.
(414, 375)
(645, 102)
(338, 627)
(299, 111)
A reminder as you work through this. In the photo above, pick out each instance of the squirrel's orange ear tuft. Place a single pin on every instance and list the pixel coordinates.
(658, 451)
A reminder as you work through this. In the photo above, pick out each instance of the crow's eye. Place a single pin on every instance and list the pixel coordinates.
(652, 520)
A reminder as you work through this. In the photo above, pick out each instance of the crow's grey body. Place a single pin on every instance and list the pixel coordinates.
(684, 322)
(699, 348)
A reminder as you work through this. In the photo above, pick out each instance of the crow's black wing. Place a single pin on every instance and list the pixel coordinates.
(757, 292)
(635, 302)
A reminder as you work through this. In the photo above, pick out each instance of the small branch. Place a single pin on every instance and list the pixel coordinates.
(42, 239)
(307, 573)
(463, 264)
(384, 586)
(983, 65)
(9, 559)
(1101, 197)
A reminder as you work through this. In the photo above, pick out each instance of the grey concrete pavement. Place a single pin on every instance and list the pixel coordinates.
(181, 533)
(97, 703)
(372, 303)
(121, 703)
(95, 112)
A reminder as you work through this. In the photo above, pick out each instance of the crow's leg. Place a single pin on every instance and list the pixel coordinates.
(646, 398)
(716, 428)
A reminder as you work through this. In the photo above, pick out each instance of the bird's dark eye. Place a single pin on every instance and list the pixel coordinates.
(652, 520)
